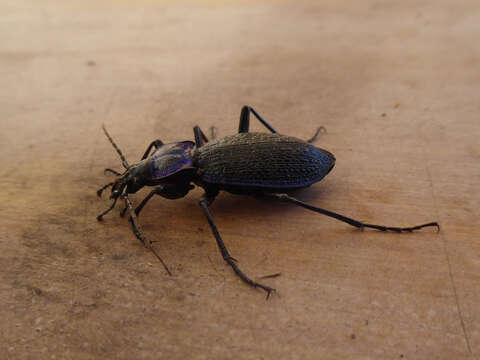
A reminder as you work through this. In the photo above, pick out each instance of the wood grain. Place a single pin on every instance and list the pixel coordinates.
(396, 85)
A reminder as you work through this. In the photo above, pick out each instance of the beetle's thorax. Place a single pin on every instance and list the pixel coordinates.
(137, 176)
(169, 165)
(170, 159)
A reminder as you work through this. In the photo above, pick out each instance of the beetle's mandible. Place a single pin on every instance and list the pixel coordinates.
(265, 165)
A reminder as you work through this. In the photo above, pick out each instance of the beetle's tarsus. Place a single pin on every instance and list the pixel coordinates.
(267, 289)
(402, 229)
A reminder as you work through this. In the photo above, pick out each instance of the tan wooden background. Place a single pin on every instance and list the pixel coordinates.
(397, 85)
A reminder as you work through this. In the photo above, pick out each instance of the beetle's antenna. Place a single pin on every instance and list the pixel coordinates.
(124, 161)
(138, 231)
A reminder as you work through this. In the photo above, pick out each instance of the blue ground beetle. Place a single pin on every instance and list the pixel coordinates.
(265, 165)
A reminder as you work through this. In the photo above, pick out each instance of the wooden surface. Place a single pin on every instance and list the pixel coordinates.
(395, 83)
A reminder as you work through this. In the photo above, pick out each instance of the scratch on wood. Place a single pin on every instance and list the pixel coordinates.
(447, 256)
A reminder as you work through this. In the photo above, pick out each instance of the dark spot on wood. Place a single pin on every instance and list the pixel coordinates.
(119, 256)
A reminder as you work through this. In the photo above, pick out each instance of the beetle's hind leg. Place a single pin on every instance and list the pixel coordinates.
(244, 125)
(317, 132)
(213, 132)
(350, 221)
(204, 203)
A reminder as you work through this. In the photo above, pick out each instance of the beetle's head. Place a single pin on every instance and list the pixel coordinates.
(129, 182)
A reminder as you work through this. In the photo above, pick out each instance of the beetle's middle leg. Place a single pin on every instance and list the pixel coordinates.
(200, 137)
(244, 125)
(204, 203)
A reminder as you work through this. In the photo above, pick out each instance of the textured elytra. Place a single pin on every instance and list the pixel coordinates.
(262, 160)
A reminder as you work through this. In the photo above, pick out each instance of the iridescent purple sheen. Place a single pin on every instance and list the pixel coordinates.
(171, 158)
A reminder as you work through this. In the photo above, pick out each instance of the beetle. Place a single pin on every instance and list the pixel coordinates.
(267, 165)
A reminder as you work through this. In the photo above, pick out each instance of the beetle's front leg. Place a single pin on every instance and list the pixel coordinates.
(156, 143)
(139, 233)
(139, 208)
(204, 203)
(166, 191)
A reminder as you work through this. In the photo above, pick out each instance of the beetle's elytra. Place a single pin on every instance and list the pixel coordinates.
(260, 164)
(259, 161)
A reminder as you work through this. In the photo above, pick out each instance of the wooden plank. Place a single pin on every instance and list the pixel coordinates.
(394, 83)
